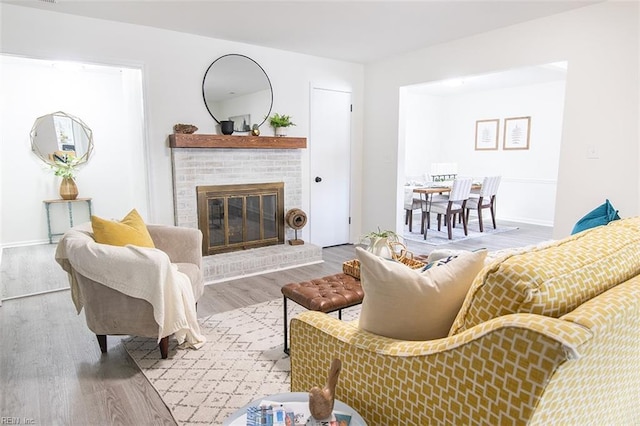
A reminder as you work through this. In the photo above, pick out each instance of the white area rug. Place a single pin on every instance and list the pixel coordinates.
(437, 238)
(241, 361)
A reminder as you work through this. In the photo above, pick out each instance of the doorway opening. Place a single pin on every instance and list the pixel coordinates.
(438, 120)
(109, 100)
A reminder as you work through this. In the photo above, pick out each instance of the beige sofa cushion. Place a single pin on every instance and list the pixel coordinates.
(555, 279)
(406, 304)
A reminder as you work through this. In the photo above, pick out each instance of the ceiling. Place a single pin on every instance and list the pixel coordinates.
(355, 31)
(524, 76)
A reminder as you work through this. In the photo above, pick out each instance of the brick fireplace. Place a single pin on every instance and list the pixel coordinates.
(194, 167)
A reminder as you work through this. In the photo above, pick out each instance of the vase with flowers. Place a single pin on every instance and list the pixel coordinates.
(66, 166)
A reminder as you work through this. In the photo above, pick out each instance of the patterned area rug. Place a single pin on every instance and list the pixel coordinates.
(437, 238)
(241, 361)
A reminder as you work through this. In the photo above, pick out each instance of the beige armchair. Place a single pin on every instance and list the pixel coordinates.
(115, 311)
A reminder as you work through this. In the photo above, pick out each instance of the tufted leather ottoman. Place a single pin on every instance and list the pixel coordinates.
(327, 294)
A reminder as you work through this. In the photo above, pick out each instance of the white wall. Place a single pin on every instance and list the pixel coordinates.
(442, 130)
(114, 176)
(173, 66)
(601, 45)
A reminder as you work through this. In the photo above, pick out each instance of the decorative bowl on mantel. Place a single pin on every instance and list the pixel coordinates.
(185, 128)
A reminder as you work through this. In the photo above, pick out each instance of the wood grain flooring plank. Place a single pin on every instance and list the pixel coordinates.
(18, 378)
(19, 277)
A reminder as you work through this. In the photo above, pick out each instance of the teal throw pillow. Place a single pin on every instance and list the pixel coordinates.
(601, 215)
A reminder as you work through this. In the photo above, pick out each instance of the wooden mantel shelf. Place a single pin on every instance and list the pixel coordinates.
(182, 140)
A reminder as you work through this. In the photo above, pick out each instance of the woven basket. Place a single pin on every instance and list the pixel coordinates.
(413, 263)
(352, 267)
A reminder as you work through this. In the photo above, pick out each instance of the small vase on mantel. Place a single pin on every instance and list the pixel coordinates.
(227, 127)
(68, 189)
(281, 131)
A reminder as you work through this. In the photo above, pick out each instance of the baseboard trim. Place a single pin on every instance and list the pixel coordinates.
(266, 271)
(39, 293)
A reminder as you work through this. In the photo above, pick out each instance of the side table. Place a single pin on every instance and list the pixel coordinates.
(47, 205)
(239, 417)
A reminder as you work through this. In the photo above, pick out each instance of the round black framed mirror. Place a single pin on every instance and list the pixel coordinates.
(236, 88)
(56, 136)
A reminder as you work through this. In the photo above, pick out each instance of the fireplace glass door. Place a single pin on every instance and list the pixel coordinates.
(238, 217)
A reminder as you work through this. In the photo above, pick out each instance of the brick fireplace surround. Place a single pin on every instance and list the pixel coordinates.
(225, 166)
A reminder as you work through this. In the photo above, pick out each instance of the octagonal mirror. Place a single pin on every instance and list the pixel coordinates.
(58, 136)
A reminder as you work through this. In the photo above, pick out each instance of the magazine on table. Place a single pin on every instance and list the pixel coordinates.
(272, 413)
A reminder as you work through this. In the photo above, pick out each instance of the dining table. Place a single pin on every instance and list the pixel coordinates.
(426, 192)
(440, 188)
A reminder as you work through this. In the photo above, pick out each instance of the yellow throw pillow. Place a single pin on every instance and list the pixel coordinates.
(130, 230)
(406, 304)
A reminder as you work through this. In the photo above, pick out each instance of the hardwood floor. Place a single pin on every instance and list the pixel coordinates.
(51, 368)
(30, 270)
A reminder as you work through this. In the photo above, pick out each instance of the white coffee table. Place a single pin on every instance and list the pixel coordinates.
(239, 417)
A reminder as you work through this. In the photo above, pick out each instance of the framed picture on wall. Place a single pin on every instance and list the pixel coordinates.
(487, 134)
(516, 133)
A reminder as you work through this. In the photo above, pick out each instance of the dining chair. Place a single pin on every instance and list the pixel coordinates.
(455, 204)
(410, 204)
(486, 199)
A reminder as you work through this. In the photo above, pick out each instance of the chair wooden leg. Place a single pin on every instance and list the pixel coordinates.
(425, 223)
(464, 223)
(480, 219)
(164, 347)
(410, 219)
(439, 219)
(449, 225)
(102, 341)
(493, 214)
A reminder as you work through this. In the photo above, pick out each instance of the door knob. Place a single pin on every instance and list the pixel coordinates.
(318, 179)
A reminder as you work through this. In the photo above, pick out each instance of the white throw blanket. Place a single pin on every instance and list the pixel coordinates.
(144, 273)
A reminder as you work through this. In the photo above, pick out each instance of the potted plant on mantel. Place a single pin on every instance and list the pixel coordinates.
(280, 123)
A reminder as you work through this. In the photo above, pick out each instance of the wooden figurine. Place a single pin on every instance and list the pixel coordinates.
(321, 400)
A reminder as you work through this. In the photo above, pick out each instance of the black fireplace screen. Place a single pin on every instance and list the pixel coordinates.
(237, 217)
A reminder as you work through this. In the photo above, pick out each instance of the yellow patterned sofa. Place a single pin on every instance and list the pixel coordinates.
(546, 335)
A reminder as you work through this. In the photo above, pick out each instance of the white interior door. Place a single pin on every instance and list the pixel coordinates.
(329, 165)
